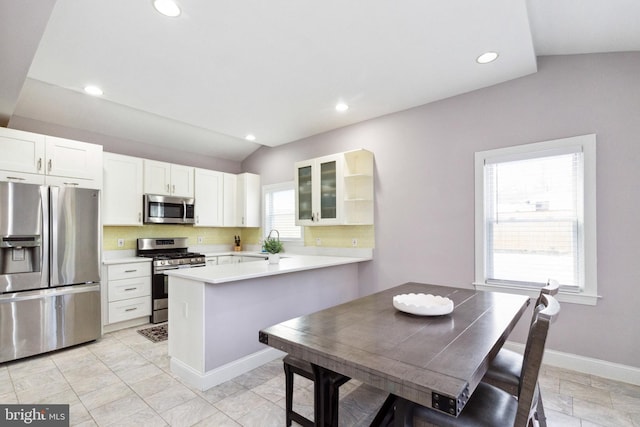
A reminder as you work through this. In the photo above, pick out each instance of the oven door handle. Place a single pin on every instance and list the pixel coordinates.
(166, 284)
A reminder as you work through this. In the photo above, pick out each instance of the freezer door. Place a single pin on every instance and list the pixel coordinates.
(35, 322)
(23, 237)
(75, 235)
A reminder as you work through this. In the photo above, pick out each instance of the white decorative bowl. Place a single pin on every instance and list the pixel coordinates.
(423, 304)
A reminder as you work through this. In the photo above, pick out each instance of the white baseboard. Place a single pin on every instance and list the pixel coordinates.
(585, 365)
(204, 381)
(125, 324)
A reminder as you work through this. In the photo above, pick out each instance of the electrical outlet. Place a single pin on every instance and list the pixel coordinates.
(354, 242)
(318, 241)
(200, 239)
(120, 243)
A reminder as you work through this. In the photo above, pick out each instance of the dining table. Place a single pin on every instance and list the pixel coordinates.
(433, 360)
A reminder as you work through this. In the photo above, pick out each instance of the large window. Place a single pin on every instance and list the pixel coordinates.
(535, 217)
(280, 211)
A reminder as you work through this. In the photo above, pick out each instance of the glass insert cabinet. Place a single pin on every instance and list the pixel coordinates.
(335, 189)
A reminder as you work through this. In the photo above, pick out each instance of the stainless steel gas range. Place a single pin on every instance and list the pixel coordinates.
(168, 253)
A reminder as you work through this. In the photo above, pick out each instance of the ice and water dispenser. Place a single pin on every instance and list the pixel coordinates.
(20, 254)
(22, 237)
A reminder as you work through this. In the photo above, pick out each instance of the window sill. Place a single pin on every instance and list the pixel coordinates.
(569, 297)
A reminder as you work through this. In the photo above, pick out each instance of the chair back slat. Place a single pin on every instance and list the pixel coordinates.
(545, 313)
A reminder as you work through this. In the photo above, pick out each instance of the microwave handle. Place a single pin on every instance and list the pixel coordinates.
(184, 211)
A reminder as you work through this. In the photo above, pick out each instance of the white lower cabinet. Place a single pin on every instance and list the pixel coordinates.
(128, 291)
(227, 259)
(120, 311)
(254, 258)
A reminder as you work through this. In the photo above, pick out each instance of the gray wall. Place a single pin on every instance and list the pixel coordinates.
(425, 190)
(127, 147)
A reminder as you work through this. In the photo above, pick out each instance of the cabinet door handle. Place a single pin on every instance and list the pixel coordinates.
(197, 219)
(50, 165)
(139, 216)
(131, 309)
(16, 178)
(130, 271)
(131, 289)
(71, 184)
(39, 163)
(168, 189)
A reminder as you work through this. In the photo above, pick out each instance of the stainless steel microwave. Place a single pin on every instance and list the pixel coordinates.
(168, 210)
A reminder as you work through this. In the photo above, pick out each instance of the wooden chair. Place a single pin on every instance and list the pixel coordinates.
(293, 365)
(505, 369)
(489, 405)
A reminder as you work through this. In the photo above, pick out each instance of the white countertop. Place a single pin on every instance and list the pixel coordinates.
(251, 270)
(236, 253)
(125, 260)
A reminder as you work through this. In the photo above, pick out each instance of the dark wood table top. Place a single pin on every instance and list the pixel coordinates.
(436, 361)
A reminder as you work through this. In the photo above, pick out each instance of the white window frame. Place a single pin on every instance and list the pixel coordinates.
(587, 144)
(289, 185)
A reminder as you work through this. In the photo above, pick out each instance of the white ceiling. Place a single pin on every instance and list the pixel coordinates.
(276, 68)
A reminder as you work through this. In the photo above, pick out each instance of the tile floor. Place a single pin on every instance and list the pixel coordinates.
(124, 380)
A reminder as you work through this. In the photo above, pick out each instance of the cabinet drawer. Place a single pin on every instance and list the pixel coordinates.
(129, 309)
(129, 288)
(126, 271)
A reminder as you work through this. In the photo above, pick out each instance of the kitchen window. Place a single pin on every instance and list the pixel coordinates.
(280, 211)
(536, 220)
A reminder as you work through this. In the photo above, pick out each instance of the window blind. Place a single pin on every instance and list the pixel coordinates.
(280, 214)
(534, 224)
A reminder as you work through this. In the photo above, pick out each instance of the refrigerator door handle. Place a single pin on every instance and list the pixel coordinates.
(44, 238)
(40, 293)
(55, 235)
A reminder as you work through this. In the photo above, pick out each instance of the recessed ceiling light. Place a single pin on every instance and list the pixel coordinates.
(341, 106)
(250, 137)
(487, 57)
(93, 90)
(167, 8)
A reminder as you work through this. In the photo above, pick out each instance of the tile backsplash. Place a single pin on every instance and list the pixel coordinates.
(330, 236)
(340, 236)
(210, 235)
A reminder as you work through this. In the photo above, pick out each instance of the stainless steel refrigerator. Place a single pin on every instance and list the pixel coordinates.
(49, 268)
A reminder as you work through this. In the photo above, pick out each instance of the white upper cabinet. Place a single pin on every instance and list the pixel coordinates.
(230, 184)
(26, 178)
(168, 179)
(62, 161)
(122, 194)
(209, 196)
(73, 159)
(241, 206)
(248, 200)
(21, 151)
(318, 191)
(335, 189)
(182, 181)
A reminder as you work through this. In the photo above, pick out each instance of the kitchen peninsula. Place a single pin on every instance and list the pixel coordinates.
(215, 312)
